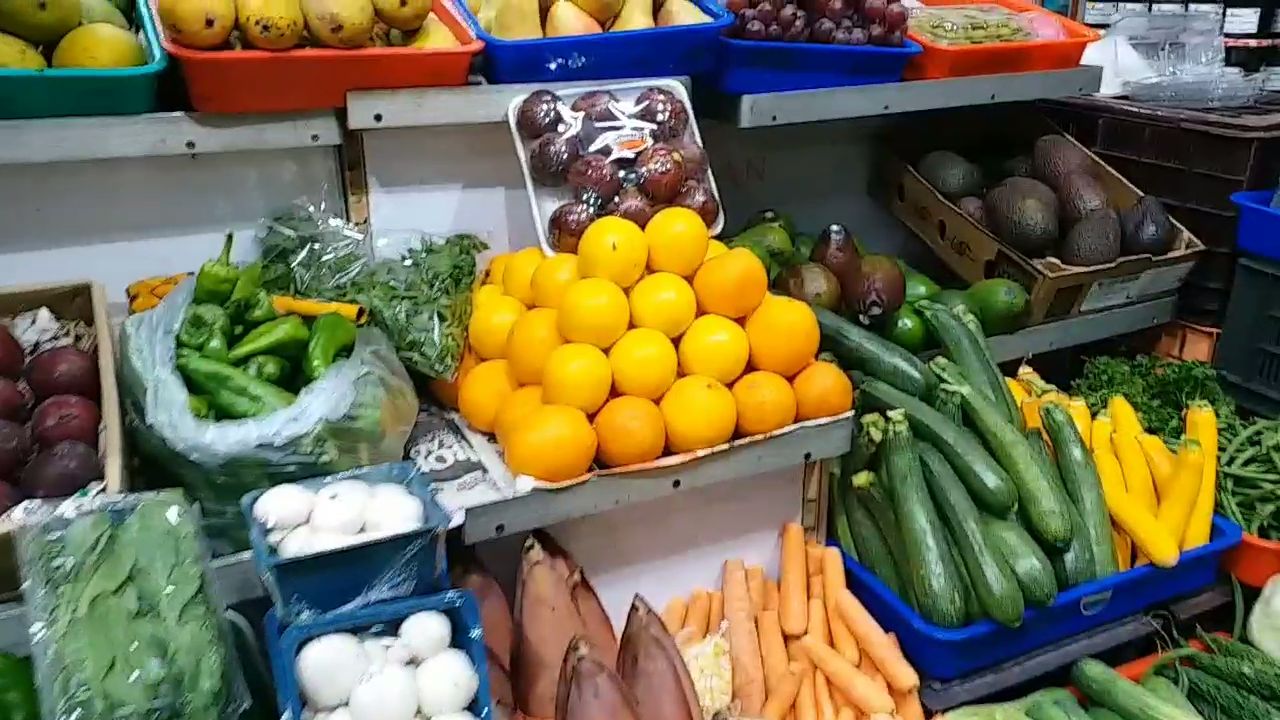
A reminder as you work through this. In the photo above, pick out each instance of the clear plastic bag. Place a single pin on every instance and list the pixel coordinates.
(970, 24)
(124, 625)
(358, 413)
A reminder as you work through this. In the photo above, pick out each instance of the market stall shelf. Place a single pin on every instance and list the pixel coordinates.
(1081, 329)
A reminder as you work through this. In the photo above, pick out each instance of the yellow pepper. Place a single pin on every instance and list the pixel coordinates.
(1137, 476)
(138, 287)
(285, 305)
(1123, 416)
(1202, 425)
(1101, 432)
(1175, 512)
(1159, 462)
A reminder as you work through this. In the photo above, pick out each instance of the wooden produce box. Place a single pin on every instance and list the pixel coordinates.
(85, 301)
(1056, 290)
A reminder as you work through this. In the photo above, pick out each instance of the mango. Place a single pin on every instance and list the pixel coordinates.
(512, 19)
(92, 11)
(39, 22)
(270, 24)
(18, 54)
(402, 14)
(434, 34)
(339, 23)
(99, 45)
(197, 24)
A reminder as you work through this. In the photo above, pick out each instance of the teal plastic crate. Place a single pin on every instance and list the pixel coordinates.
(64, 92)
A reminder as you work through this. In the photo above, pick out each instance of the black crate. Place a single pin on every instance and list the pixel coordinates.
(1249, 349)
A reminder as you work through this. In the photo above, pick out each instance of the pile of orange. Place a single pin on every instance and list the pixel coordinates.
(645, 342)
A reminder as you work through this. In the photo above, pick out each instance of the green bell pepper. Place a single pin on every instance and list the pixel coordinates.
(205, 329)
(232, 392)
(271, 368)
(18, 689)
(330, 335)
(285, 336)
(217, 277)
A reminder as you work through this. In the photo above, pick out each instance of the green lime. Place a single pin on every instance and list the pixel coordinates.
(907, 330)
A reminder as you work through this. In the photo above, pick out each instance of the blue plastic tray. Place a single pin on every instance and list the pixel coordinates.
(1258, 230)
(753, 66)
(62, 92)
(946, 654)
(283, 644)
(395, 567)
(660, 52)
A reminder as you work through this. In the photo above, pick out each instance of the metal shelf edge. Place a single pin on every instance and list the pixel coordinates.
(1081, 329)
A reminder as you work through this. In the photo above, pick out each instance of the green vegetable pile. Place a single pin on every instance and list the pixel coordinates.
(128, 631)
(18, 689)
(1249, 479)
(1228, 680)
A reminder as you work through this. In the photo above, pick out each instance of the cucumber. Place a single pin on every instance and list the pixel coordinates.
(1108, 688)
(969, 351)
(1074, 563)
(872, 548)
(869, 489)
(1166, 690)
(1047, 710)
(1029, 564)
(934, 581)
(1080, 478)
(988, 484)
(989, 575)
(1044, 508)
(866, 352)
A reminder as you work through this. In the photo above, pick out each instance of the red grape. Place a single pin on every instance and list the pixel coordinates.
(773, 32)
(787, 16)
(876, 34)
(823, 30)
(873, 10)
(796, 33)
(846, 23)
(858, 36)
(895, 17)
(753, 30)
(842, 37)
(766, 14)
(894, 39)
(835, 9)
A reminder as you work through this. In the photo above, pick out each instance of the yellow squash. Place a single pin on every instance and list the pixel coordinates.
(1123, 416)
(1110, 474)
(1101, 432)
(1079, 412)
(1151, 539)
(1202, 425)
(1175, 510)
(1159, 462)
(1123, 546)
(1137, 476)
(1019, 392)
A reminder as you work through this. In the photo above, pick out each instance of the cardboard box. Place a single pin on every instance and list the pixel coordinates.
(85, 301)
(972, 252)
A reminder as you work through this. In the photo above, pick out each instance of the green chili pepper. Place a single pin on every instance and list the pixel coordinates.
(199, 406)
(330, 335)
(18, 689)
(283, 336)
(252, 310)
(248, 282)
(270, 368)
(232, 392)
(217, 277)
(205, 329)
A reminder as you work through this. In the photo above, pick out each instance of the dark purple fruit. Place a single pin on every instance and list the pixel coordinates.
(634, 206)
(567, 224)
(842, 37)
(15, 446)
(755, 30)
(740, 21)
(858, 36)
(13, 402)
(63, 371)
(875, 291)
(9, 496)
(876, 34)
(662, 108)
(11, 356)
(594, 179)
(895, 17)
(661, 171)
(893, 39)
(835, 10)
(787, 16)
(694, 157)
(61, 470)
(595, 105)
(766, 14)
(797, 33)
(551, 157)
(538, 115)
(824, 30)
(698, 197)
(845, 23)
(836, 251)
(874, 10)
(773, 32)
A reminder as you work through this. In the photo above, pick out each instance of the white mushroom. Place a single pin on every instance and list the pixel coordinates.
(339, 507)
(392, 509)
(426, 633)
(283, 507)
(297, 543)
(388, 694)
(328, 668)
(447, 683)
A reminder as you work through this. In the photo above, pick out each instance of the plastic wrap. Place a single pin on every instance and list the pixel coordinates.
(372, 549)
(970, 24)
(124, 623)
(359, 412)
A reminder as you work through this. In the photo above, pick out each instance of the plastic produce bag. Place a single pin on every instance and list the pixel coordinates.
(123, 623)
(359, 412)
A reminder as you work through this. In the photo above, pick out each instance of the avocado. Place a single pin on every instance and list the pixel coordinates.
(1023, 213)
(949, 174)
(1017, 166)
(769, 216)
(1000, 303)
(1147, 228)
(1055, 157)
(1095, 240)
(1078, 196)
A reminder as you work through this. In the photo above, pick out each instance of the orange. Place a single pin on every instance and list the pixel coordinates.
(532, 338)
(514, 409)
(553, 443)
(643, 363)
(552, 278)
(578, 375)
(765, 402)
(731, 284)
(518, 274)
(483, 391)
(715, 248)
(822, 390)
(446, 391)
(485, 293)
(497, 266)
(698, 412)
(593, 310)
(663, 301)
(629, 430)
(613, 248)
(491, 323)
(784, 335)
(677, 240)
(714, 346)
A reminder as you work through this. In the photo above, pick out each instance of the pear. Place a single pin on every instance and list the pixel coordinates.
(514, 19)
(603, 11)
(434, 34)
(635, 15)
(564, 18)
(681, 12)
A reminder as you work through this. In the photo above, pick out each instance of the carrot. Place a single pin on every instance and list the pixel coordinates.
(716, 613)
(813, 558)
(784, 696)
(793, 606)
(773, 649)
(908, 703)
(795, 654)
(833, 581)
(698, 615)
(870, 670)
(815, 586)
(806, 701)
(822, 695)
(744, 644)
(873, 641)
(856, 686)
(673, 614)
(755, 586)
(770, 594)
(846, 713)
(818, 621)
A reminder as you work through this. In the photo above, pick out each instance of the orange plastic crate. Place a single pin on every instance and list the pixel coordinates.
(1254, 560)
(943, 61)
(314, 78)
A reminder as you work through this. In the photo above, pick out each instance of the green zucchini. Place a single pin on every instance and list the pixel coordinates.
(1108, 688)
(974, 326)
(1080, 478)
(989, 575)
(1097, 712)
(1074, 563)
(864, 351)
(972, 607)
(868, 433)
(947, 401)
(1046, 514)
(1167, 690)
(869, 488)
(1047, 710)
(1029, 564)
(839, 520)
(934, 581)
(988, 484)
(1212, 696)
(873, 548)
(969, 352)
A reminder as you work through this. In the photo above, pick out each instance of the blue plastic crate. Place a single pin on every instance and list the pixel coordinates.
(659, 52)
(1258, 229)
(61, 92)
(950, 653)
(399, 566)
(754, 66)
(283, 644)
